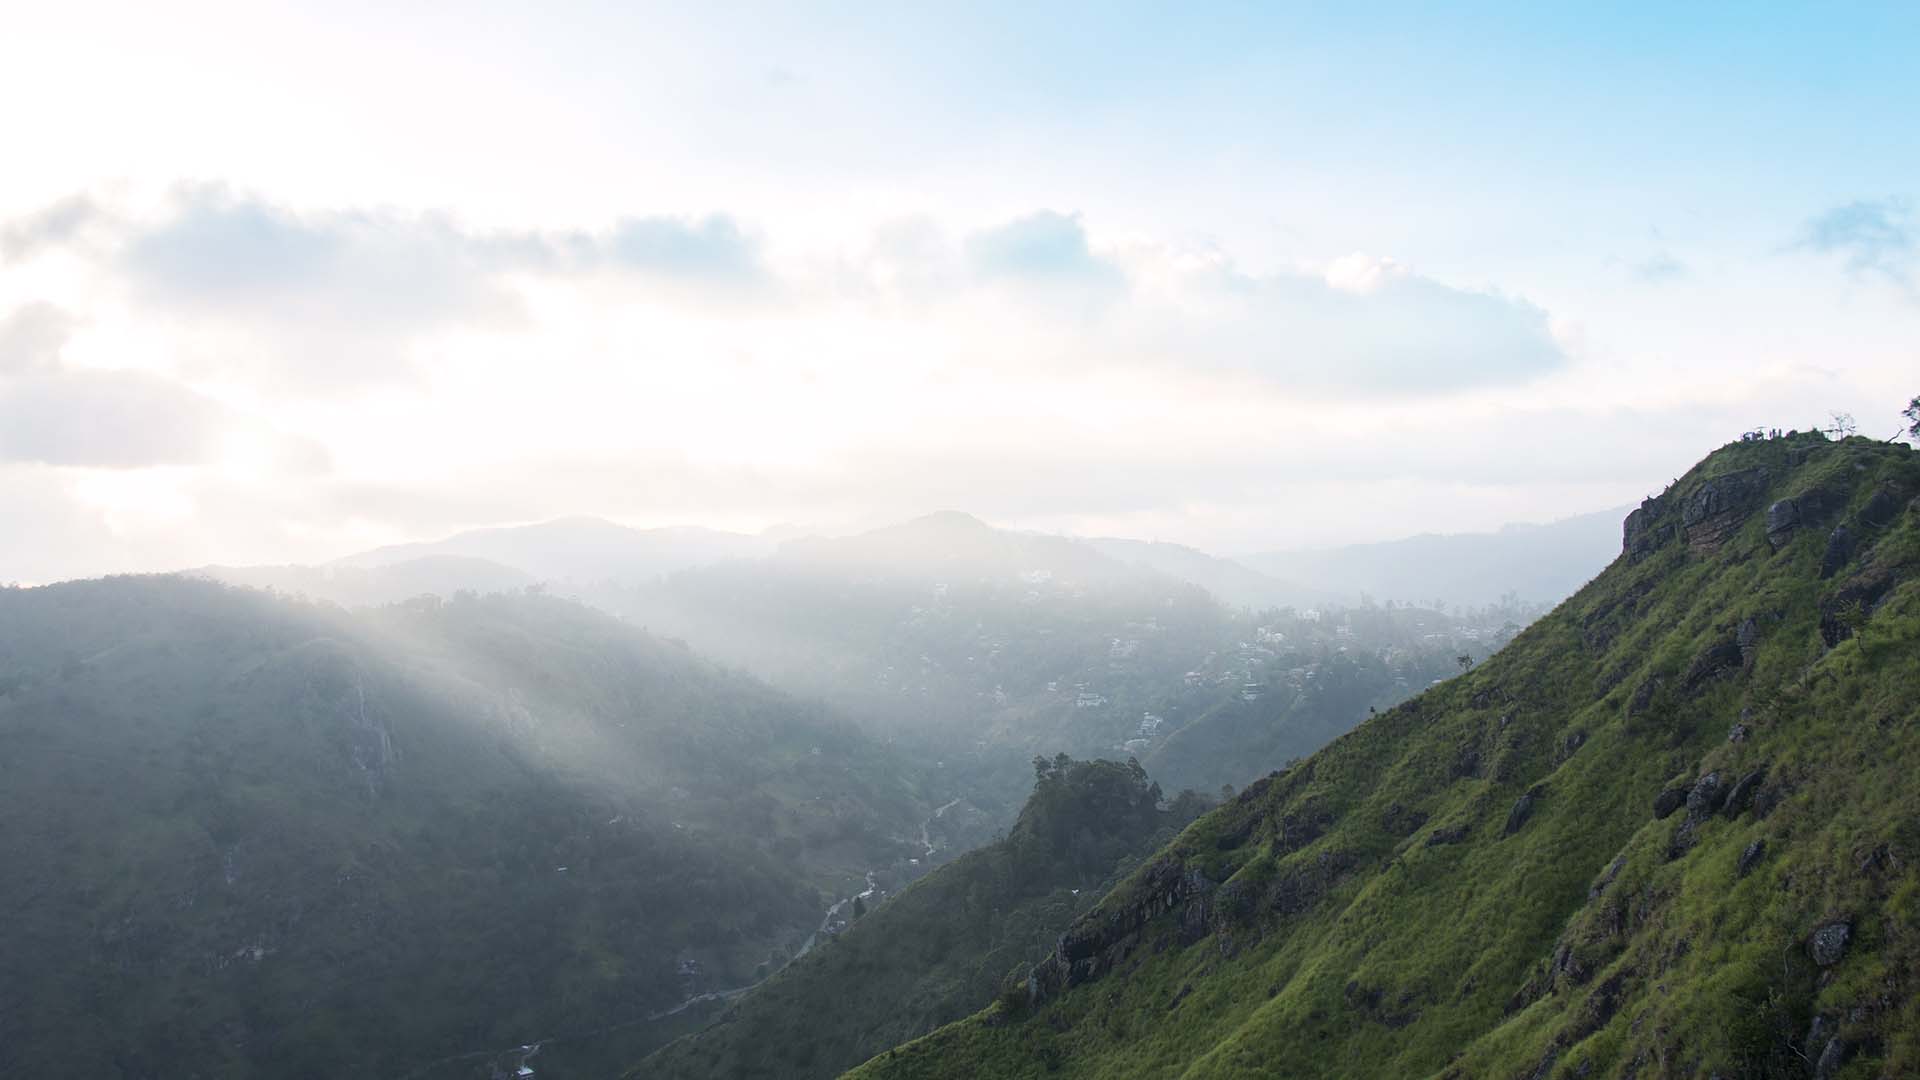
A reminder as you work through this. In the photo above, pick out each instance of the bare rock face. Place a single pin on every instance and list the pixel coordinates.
(1744, 789)
(1748, 640)
(1839, 550)
(1522, 810)
(1708, 793)
(1715, 660)
(1715, 510)
(1787, 516)
(1783, 518)
(1881, 508)
(1859, 596)
(1829, 942)
(1645, 530)
(1669, 800)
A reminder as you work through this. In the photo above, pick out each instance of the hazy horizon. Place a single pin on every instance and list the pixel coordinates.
(325, 280)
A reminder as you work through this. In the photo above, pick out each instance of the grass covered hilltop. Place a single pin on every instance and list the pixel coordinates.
(1671, 830)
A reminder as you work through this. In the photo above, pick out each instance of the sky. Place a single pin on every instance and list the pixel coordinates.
(279, 282)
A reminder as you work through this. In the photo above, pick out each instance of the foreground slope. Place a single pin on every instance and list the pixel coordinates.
(1670, 831)
(247, 836)
(935, 952)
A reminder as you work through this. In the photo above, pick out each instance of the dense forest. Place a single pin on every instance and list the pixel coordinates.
(933, 953)
(250, 835)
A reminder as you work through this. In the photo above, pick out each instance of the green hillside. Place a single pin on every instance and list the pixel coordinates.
(931, 954)
(1671, 830)
(247, 836)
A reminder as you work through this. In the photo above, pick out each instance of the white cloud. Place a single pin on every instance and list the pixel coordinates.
(31, 337)
(1362, 273)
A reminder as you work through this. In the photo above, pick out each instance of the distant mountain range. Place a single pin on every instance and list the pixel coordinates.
(250, 836)
(370, 585)
(581, 549)
(1539, 564)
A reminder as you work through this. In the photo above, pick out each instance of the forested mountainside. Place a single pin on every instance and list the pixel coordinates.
(933, 953)
(577, 549)
(983, 647)
(1670, 830)
(248, 836)
(374, 586)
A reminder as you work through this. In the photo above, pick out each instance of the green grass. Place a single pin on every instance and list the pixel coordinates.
(933, 953)
(1350, 950)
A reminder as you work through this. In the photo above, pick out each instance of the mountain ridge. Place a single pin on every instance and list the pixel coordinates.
(1664, 832)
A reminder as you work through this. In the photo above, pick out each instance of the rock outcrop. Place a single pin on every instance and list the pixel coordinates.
(1645, 529)
(1787, 516)
(1829, 943)
(1839, 551)
(1715, 510)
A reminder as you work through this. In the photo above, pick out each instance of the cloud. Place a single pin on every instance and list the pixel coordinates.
(218, 253)
(106, 419)
(329, 301)
(323, 302)
(713, 248)
(59, 224)
(1661, 266)
(1871, 237)
(31, 337)
(1362, 327)
(220, 250)
(1043, 246)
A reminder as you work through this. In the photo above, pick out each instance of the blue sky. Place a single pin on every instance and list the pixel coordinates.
(372, 275)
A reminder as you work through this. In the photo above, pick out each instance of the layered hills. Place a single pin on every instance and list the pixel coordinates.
(932, 953)
(1669, 830)
(251, 836)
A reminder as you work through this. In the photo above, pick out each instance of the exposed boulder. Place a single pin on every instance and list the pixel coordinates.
(1832, 1059)
(1714, 661)
(1713, 513)
(1856, 599)
(1881, 508)
(1783, 518)
(1819, 1033)
(1839, 552)
(1747, 638)
(1751, 857)
(1743, 791)
(1706, 796)
(1829, 942)
(1522, 810)
(1645, 530)
(1684, 836)
(1787, 516)
(1669, 800)
(1447, 835)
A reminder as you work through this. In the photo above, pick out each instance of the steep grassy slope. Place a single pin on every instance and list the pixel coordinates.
(246, 836)
(1671, 830)
(935, 952)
